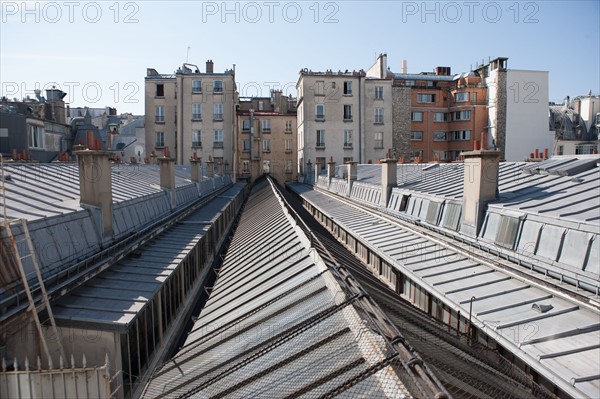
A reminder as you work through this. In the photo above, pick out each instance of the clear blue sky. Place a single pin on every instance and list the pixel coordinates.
(98, 52)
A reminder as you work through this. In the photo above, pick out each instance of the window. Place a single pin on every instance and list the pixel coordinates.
(439, 136)
(160, 90)
(320, 88)
(347, 138)
(561, 150)
(261, 105)
(378, 92)
(439, 117)
(288, 126)
(196, 111)
(246, 145)
(218, 87)
(266, 145)
(266, 125)
(417, 153)
(378, 139)
(416, 116)
(320, 112)
(347, 88)
(288, 166)
(196, 139)
(320, 138)
(462, 115)
(416, 136)
(379, 115)
(159, 114)
(288, 145)
(36, 136)
(461, 97)
(409, 83)
(196, 86)
(245, 125)
(459, 135)
(585, 149)
(425, 98)
(245, 166)
(266, 166)
(159, 138)
(347, 112)
(348, 159)
(218, 142)
(218, 115)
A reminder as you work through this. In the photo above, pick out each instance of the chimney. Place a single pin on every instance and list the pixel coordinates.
(220, 168)
(389, 179)
(352, 174)
(480, 186)
(167, 178)
(210, 171)
(317, 170)
(195, 165)
(209, 66)
(95, 185)
(404, 66)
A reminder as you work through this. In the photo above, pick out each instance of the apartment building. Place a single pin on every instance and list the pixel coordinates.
(437, 115)
(267, 138)
(192, 112)
(346, 115)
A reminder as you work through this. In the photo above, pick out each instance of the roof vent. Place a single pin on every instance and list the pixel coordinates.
(540, 307)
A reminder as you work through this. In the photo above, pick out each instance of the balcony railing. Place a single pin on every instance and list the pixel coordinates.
(320, 145)
(378, 143)
(320, 117)
(218, 117)
(159, 119)
(218, 144)
(196, 117)
(347, 145)
(196, 144)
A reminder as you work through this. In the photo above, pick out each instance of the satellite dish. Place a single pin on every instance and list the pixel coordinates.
(139, 150)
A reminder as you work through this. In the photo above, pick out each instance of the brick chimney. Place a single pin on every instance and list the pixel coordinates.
(209, 66)
(480, 186)
(95, 184)
(167, 178)
(389, 179)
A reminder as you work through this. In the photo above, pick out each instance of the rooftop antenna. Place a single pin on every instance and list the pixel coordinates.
(187, 55)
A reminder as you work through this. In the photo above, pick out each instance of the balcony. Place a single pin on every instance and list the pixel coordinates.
(320, 146)
(196, 144)
(218, 117)
(196, 90)
(217, 90)
(159, 119)
(347, 118)
(347, 146)
(218, 144)
(378, 144)
(196, 117)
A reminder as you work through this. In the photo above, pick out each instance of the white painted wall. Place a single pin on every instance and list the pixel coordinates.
(527, 114)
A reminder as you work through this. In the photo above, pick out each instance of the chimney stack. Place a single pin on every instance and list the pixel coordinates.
(352, 174)
(389, 179)
(404, 66)
(195, 165)
(210, 171)
(167, 178)
(480, 186)
(95, 184)
(209, 66)
(317, 170)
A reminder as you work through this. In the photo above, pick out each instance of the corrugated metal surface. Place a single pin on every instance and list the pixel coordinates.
(561, 343)
(277, 324)
(114, 298)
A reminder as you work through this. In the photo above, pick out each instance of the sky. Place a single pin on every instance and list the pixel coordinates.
(98, 51)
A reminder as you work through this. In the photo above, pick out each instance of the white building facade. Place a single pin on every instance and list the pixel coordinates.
(344, 116)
